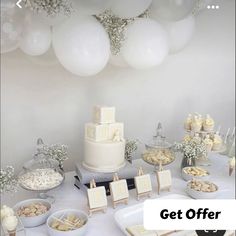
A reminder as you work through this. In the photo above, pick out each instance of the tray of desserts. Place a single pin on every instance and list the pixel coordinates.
(130, 220)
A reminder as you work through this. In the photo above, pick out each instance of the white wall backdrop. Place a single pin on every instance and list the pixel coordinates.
(47, 101)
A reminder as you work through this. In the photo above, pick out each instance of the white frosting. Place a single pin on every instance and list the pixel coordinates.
(6, 211)
(104, 115)
(10, 223)
(41, 179)
(105, 156)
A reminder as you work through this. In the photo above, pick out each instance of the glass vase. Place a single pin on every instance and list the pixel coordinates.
(187, 162)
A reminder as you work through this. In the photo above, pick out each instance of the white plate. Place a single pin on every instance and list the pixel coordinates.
(133, 215)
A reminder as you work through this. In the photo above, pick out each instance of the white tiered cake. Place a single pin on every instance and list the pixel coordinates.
(104, 147)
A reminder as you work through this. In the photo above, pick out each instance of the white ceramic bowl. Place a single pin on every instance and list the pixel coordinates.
(201, 195)
(33, 221)
(77, 232)
(188, 177)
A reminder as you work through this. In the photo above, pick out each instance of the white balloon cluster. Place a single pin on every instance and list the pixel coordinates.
(81, 43)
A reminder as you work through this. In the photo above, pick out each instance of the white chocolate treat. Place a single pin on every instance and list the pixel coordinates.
(104, 115)
(208, 124)
(217, 142)
(187, 123)
(10, 223)
(195, 171)
(209, 143)
(104, 156)
(6, 211)
(196, 124)
(202, 186)
(103, 132)
(41, 179)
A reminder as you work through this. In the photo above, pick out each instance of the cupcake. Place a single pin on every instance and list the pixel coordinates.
(209, 143)
(217, 142)
(196, 124)
(231, 165)
(187, 123)
(208, 124)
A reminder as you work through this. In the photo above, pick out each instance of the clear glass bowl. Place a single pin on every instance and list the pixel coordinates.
(158, 152)
(41, 175)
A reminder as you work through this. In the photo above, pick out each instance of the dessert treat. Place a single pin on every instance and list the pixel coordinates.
(195, 171)
(10, 223)
(68, 223)
(217, 142)
(231, 165)
(6, 211)
(158, 156)
(41, 179)
(104, 145)
(187, 123)
(196, 124)
(202, 186)
(34, 209)
(208, 124)
(208, 142)
(9, 220)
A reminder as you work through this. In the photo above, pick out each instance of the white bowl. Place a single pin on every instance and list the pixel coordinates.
(33, 221)
(188, 177)
(201, 195)
(77, 232)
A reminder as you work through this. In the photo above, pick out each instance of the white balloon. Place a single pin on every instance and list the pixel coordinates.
(172, 10)
(91, 7)
(146, 45)
(11, 25)
(180, 33)
(81, 45)
(118, 60)
(36, 37)
(129, 8)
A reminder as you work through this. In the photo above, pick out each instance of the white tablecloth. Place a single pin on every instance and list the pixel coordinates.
(68, 196)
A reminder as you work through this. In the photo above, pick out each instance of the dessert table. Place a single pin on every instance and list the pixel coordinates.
(100, 224)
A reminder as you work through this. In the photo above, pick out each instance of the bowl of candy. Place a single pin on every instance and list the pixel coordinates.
(194, 172)
(68, 222)
(200, 189)
(33, 212)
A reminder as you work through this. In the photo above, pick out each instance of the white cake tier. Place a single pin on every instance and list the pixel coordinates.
(103, 132)
(104, 157)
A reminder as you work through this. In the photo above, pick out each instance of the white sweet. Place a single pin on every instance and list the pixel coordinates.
(6, 211)
(10, 223)
(104, 115)
(41, 179)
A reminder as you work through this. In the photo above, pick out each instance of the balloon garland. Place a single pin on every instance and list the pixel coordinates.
(87, 34)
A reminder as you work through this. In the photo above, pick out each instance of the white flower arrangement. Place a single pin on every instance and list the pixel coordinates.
(50, 7)
(130, 147)
(192, 149)
(8, 180)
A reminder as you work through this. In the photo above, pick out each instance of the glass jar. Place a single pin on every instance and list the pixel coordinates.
(41, 175)
(158, 152)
